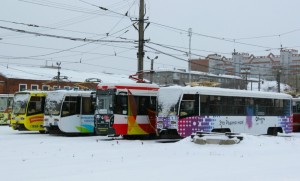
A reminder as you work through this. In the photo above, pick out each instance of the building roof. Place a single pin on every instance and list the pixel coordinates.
(48, 73)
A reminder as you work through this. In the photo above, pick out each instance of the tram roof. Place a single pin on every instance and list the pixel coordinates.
(72, 91)
(6, 95)
(32, 92)
(227, 92)
(127, 85)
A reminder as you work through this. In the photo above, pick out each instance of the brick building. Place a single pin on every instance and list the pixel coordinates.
(18, 78)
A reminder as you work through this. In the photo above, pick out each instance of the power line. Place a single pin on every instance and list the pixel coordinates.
(51, 28)
(181, 30)
(268, 36)
(213, 37)
(64, 7)
(166, 46)
(78, 39)
(64, 37)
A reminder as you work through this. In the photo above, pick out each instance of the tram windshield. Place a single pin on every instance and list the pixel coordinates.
(20, 103)
(168, 102)
(53, 103)
(104, 104)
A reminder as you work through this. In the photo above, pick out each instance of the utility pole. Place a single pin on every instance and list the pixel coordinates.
(246, 71)
(58, 73)
(151, 70)
(258, 82)
(278, 79)
(190, 43)
(141, 53)
(296, 83)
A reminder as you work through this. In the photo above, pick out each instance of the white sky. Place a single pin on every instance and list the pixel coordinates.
(31, 156)
(231, 20)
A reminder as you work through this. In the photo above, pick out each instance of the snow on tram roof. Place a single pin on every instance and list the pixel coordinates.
(115, 85)
(227, 92)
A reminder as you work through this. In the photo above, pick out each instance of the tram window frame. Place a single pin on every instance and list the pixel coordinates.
(71, 106)
(143, 103)
(296, 107)
(189, 105)
(86, 106)
(35, 105)
(121, 104)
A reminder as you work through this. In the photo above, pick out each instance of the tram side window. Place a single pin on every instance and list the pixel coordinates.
(278, 107)
(36, 105)
(143, 103)
(286, 107)
(121, 105)
(239, 106)
(215, 105)
(260, 106)
(71, 106)
(296, 107)
(189, 105)
(10, 102)
(152, 103)
(204, 104)
(87, 107)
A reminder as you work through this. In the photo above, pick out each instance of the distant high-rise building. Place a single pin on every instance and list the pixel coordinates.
(286, 66)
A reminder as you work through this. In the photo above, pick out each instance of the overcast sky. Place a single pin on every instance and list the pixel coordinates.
(257, 27)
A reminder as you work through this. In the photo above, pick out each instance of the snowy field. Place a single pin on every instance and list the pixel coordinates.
(30, 156)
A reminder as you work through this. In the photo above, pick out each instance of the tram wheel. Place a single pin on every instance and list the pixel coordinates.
(273, 131)
(42, 131)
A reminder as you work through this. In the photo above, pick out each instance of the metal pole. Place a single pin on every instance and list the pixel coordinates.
(190, 43)
(246, 80)
(258, 82)
(151, 70)
(58, 73)
(296, 83)
(278, 80)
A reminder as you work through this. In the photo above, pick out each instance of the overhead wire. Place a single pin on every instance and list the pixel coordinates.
(181, 30)
(122, 17)
(224, 39)
(64, 37)
(50, 28)
(76, 39)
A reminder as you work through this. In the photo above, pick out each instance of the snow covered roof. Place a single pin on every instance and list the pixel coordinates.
(195, 73)
(43, 73)
(163, 92)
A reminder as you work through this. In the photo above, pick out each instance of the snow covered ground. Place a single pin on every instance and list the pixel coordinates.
(30, 156)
